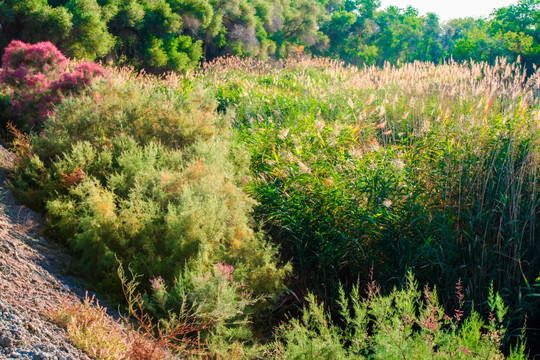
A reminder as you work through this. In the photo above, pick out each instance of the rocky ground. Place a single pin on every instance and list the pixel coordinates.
(33, 280)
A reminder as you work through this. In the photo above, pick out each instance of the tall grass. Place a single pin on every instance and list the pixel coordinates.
(423, 167)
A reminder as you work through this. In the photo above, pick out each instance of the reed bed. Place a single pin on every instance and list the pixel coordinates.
(418, 166)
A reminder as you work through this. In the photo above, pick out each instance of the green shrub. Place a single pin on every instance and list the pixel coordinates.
(215, 301)
(201, 315)
(401, 325)
(5, 104)
(148, 176)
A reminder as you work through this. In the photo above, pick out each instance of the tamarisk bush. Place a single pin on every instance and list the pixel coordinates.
(135, 171)
(37, 77)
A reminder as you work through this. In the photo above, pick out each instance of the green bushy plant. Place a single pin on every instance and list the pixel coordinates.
(147, 175)
(5, 104)
(405, 324)
(215, 301)
(187, 202)
(200, 315)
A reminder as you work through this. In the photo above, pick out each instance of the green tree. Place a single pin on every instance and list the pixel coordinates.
(301, 19)
(430, 47)
(90, 38)
(173, 35)
(400, 34)
(470, 39)
(34, 21)
(519, 28)
(150, 35)
(351, 29)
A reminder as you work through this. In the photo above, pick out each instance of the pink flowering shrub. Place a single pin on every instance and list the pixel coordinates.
(37, 78)
(225, 270)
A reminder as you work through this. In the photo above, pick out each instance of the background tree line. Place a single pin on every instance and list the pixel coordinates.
(164, 35)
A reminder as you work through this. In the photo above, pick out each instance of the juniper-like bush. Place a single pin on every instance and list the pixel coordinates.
(405, 324)
(149, 176)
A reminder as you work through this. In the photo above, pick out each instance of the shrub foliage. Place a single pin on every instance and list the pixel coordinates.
(37, 77)
(405, 324)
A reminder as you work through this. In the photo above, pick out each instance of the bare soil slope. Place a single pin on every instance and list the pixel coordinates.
(32, 280)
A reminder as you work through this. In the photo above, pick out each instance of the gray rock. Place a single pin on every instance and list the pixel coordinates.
(5, 340)
(31, 327)
(42, 355)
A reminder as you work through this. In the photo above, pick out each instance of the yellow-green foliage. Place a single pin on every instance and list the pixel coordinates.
(147, 174)
(91, 330)
(406, 324)
(134, 107)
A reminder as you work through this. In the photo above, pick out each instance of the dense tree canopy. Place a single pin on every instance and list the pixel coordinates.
(164, 35)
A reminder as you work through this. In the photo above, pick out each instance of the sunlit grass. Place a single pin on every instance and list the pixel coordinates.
(424, 167)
